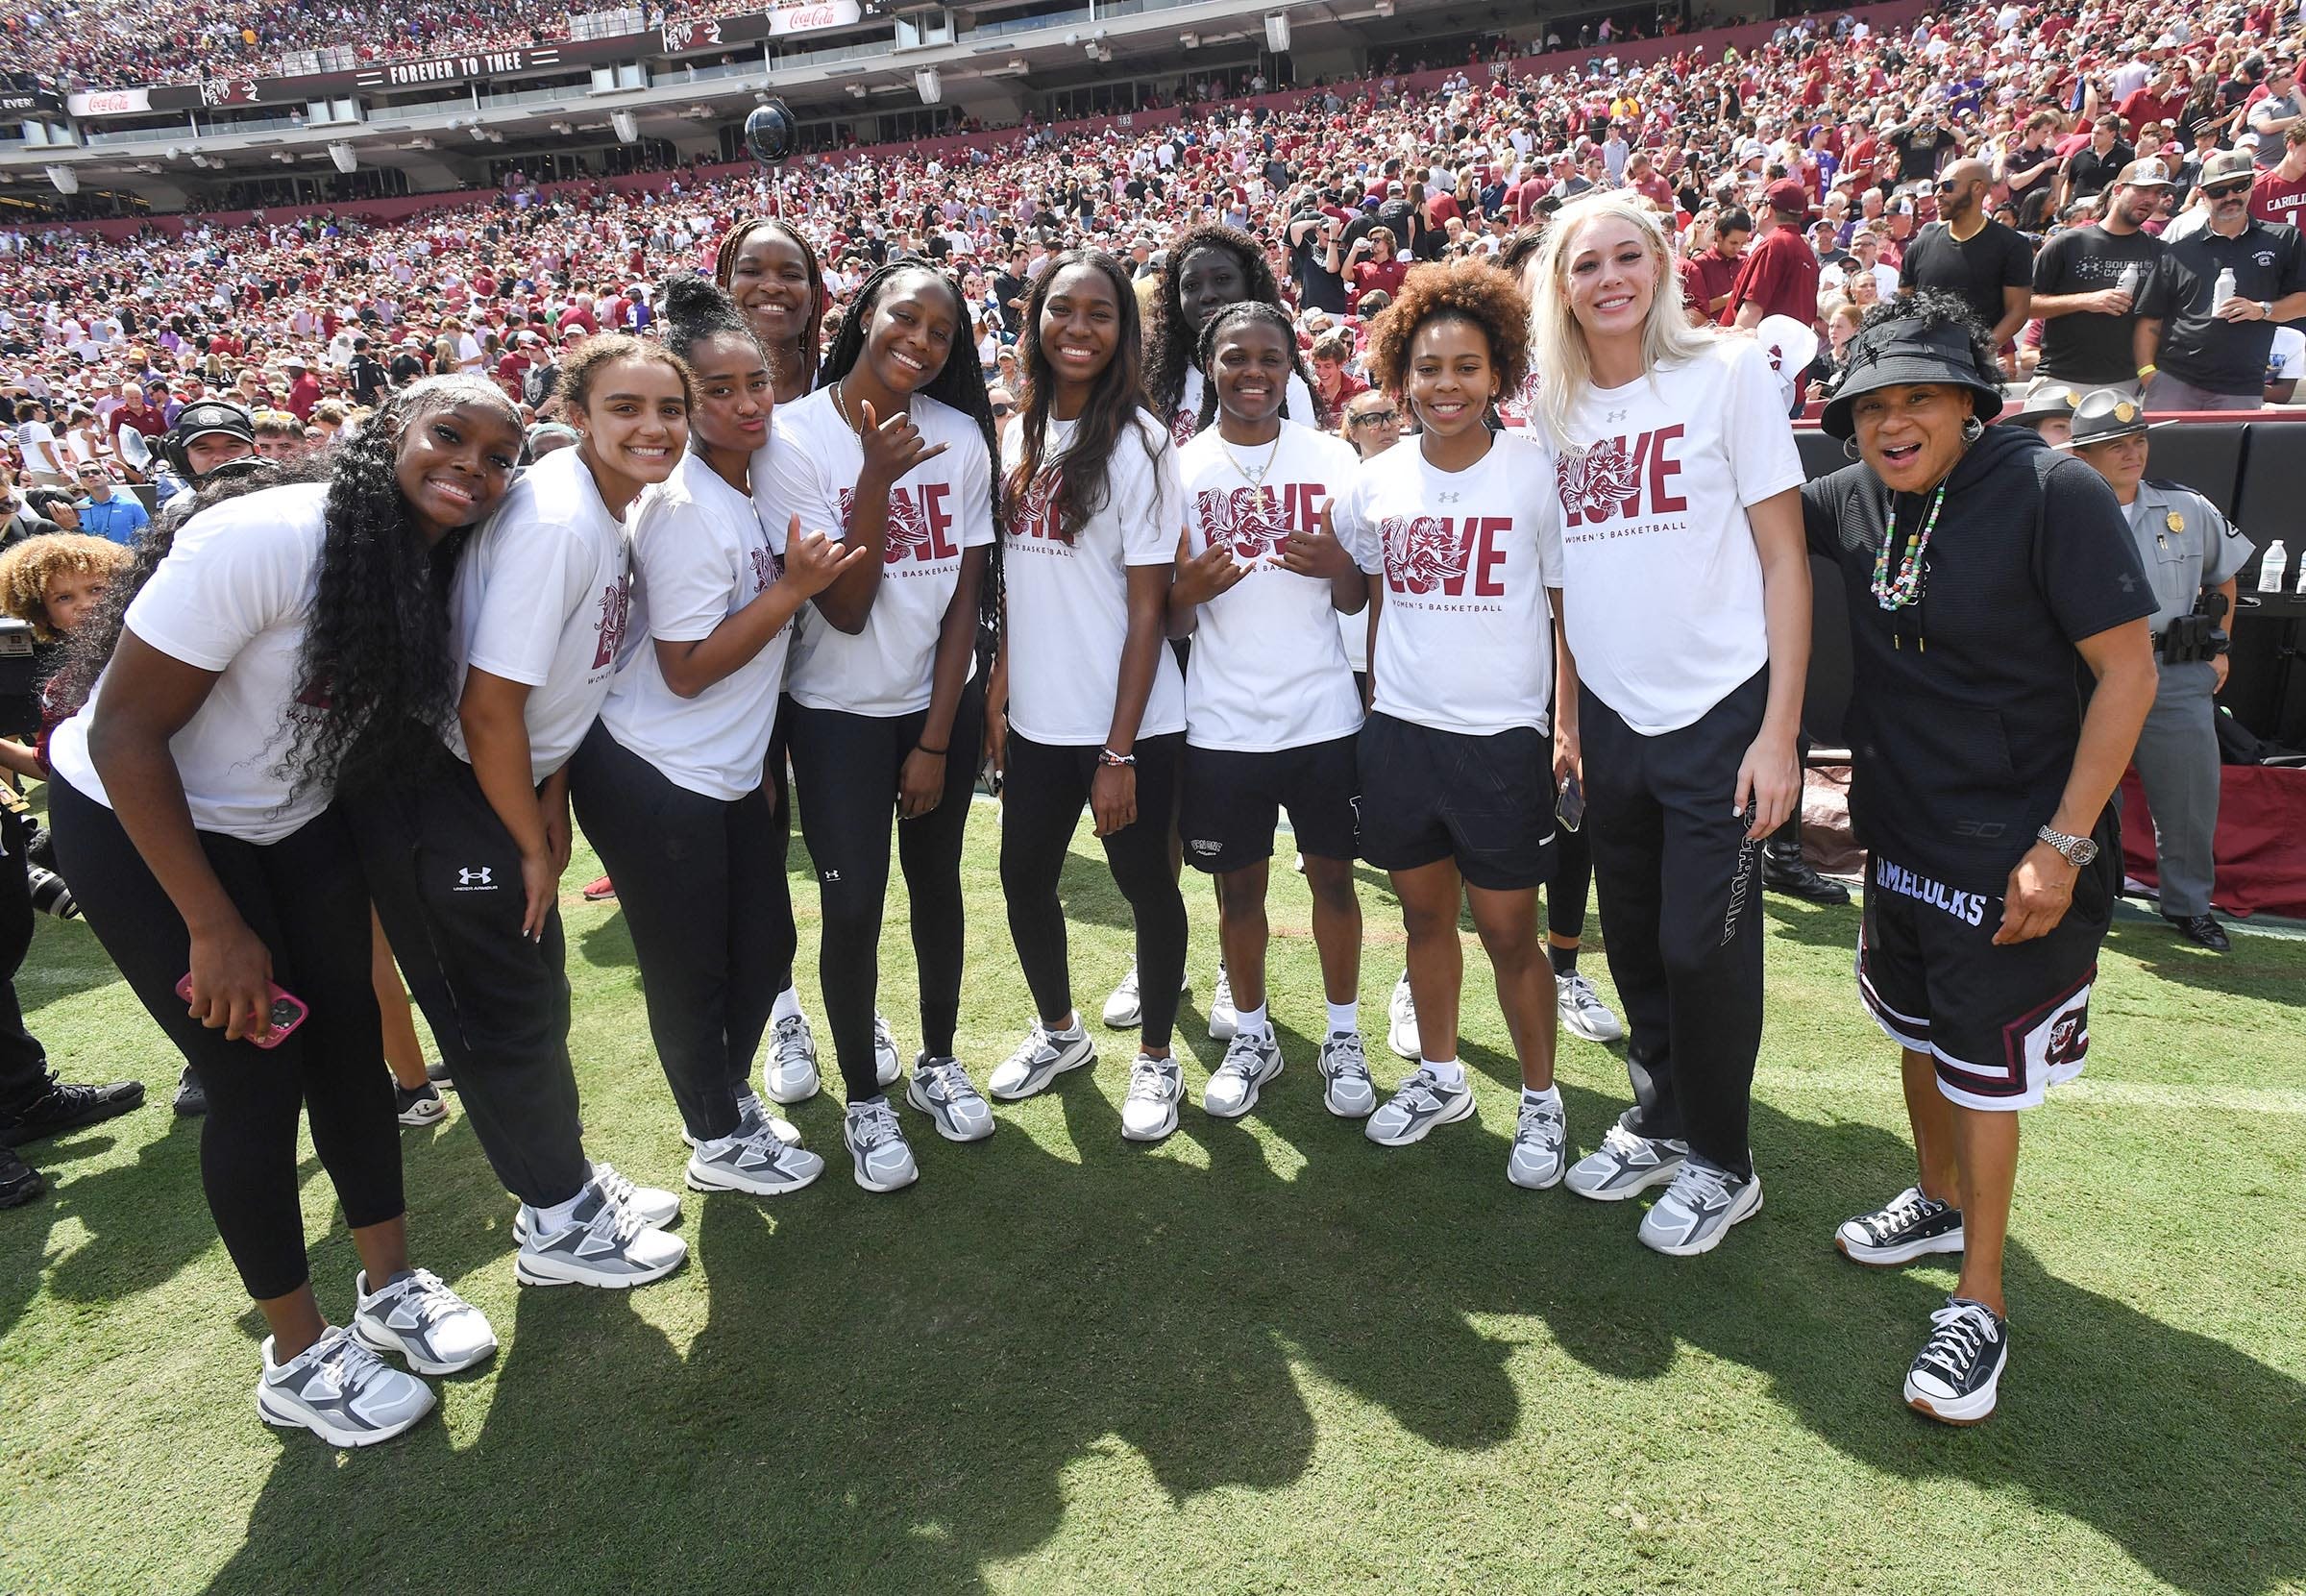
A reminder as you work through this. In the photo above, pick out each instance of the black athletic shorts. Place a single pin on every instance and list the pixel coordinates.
(1231, 801)
(2003, 1024)
(1486, 803)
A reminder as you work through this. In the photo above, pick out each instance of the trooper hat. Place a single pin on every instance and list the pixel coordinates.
(2046, 398)
(203, 416)
(2105, 415)
(1895, 353)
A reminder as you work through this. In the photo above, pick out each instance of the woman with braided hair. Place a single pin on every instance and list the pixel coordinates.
(770, 270)
(894, 453)
(284, 650)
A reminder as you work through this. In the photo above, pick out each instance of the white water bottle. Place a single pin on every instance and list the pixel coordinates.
(2133, 279)
(2224, 290)
(2273, 568)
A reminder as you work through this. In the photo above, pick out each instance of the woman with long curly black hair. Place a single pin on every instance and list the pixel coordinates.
(288, 648)
(896, 454)
(1088, 708)
(1210, 266)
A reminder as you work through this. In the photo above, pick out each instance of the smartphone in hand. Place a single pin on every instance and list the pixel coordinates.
(288, 1012)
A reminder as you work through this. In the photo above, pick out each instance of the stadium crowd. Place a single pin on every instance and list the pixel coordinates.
(1371, 287)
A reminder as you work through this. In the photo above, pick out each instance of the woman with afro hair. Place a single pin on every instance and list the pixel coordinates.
(284, 649)
(1460, 541)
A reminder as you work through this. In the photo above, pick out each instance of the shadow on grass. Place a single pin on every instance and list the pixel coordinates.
(2258, 966)
(893, 1391)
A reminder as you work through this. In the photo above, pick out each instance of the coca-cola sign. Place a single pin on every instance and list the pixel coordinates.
(807, 20)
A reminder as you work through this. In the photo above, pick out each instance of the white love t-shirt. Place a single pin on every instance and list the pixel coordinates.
(1661, 584)
(540, 598)
(1268, 667)
(810, 467)
(1068, 602)
(1464, 640)
(1186, 422)
(234, 596)
(701, 552)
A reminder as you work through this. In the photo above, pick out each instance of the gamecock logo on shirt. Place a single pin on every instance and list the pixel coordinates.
(1606, 481)
(1247, 521)
(767, 567)
(919, 528)
(1035, 515)
(1433, 553)
(1182, 428)
(616, 601)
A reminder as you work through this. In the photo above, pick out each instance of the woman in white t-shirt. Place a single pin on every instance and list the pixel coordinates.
(464, 856)
(668, 784)
(894, 453)
(1685, 607)
(286, 648)
(1087, 706)
(1271, 713)
(1459, 536)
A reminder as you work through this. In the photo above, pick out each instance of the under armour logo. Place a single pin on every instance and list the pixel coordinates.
(831, 875)
(1615, 416)
(1451, 497)
(475, 878)
(2130, 583)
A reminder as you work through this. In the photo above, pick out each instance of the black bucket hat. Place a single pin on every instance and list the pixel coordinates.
(1895, 354)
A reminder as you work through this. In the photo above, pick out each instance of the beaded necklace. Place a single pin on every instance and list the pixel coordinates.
(1906, 588)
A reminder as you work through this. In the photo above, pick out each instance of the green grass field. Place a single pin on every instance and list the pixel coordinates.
(1265, 1356)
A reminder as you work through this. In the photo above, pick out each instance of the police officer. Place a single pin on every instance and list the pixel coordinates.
(208, 432)
(2191, 555)
(2048, 408)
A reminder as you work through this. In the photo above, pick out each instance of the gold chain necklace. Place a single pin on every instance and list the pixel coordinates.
(1255, 478)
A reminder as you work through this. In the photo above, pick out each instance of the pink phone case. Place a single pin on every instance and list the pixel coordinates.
(282, 1024)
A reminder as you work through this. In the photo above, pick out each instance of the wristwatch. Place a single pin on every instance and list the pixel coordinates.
(2078, 851)
(2266, 308)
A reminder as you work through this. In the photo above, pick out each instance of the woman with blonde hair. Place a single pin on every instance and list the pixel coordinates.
(1685, 617)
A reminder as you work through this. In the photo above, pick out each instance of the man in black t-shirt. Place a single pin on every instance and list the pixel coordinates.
(1921, 145)
(2092, 334)
(2213, 354)
(1010, 285)
(1967, 254)
(2093, 167)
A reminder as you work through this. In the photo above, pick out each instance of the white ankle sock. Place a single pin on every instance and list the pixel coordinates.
(1551, 1095)
(545, 1221)
(1448, 1071)
(1249, 1022)
(788, 1005)
(1345, 1019)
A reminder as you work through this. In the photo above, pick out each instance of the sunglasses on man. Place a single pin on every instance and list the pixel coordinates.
(2227, 190)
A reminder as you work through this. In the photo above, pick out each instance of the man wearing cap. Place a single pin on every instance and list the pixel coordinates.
(118, 517)
(2191, 553)
(2088, 283)
(303, 389)
(1966, 253)
(208, 433)
(1779, 274)
(2213, 353)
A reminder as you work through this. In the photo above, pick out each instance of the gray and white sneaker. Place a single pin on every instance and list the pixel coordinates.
(341, 1391)
(755, 1160)
(1348, 1091)
(752, 1114)
(1698, 1210)
(1250, 1063)
(1125, 1008)
(656, 1207)
(886, 1065)
(1042, 1057)
(1910, 1226)
(416, 1316)
(1956, 1378)
(1401, 1019)
(1626, 1164)
(789, 1070)
(1540, 1136)
(878, 1145)
(1419, 1104)
(941, 1090)
(1583, 1012)
(1155, 1086)
(603, 1243)
(1224, 1019)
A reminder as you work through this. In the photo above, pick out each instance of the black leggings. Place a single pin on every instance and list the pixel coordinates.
(24, 1074)
(701, 883)
(847, 768)
(304, 897)
(1041, 804)
(1571, 884)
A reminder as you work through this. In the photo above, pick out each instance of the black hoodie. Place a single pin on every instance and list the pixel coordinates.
(1966, 706)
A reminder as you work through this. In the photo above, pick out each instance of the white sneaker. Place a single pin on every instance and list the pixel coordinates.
(603, 1243)
(886, 1065)
(1540, 1138)
(1250, 1062)
(1039, 1060)
(341, 1391)
(753, 1111)
(1625, 1165)
(1699, 1209)
(876, 1142)
(755, 1160)
(1155, 1086)
(789, 1071)
(1348, 1092)
(1421, 1102)
(1401, 1019)
(1583, 1010)
(1224, 1018)
(656, 1207)
(1125, 1006)
(416, 1316)
(941, 1090)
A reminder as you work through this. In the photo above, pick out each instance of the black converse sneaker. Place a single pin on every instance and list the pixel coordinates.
(1954, 1379)
(1908, 1227)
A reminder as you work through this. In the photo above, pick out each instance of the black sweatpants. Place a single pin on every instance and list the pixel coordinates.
(701, 883)
(846, 769)
(1678, 883)
(446, 876)
(24, 1073)
(1042, 801)
(304, 897)
(1570, 885)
